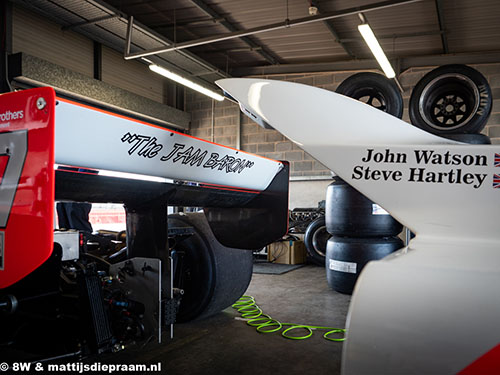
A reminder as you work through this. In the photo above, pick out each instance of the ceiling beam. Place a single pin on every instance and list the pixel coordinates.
(200, 4)
(90, 22)
(229, 51)
(439, 10)
(368, 64)
(364, 64)
(189, 22)
(343, 40)
(275, 26)
(331, 29)
(188, 31)
(105, 7)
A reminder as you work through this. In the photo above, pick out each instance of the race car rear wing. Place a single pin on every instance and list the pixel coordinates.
(244, 196)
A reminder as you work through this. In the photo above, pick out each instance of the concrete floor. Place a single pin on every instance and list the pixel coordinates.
(223, 344)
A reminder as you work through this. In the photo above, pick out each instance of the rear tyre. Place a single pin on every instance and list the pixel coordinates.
(212, 276)
(315, 240)
(375, 90)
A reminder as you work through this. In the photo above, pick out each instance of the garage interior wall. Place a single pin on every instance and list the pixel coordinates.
(309, 178)
(132, 76)
(46, 40)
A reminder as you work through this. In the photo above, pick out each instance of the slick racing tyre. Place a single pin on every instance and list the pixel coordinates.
(451, 99)
(315, 240)
(349, 213)
(373, 89)
(346, 257)
(212, 276)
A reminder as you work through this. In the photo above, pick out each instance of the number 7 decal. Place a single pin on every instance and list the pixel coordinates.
(13, 150)
(27, 146)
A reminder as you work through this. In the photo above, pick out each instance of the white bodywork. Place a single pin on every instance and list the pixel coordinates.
(430, 308)
(86, 137)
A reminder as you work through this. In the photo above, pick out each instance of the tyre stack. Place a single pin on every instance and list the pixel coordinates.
(375, 90)
(452, 101)
(361, 231)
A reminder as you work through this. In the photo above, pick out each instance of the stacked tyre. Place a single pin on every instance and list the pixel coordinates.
(361, 231)
(452, 101)
(375, 90)
(379, 92)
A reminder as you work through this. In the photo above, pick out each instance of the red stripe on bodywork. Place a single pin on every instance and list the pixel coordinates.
(488, 363)
(222, 187)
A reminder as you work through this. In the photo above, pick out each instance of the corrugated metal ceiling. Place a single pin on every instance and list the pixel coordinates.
(404, 30)
(112, 32)
(423, 28)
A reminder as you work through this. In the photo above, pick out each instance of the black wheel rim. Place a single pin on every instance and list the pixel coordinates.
(449, 101)
(193, 272)
(372, 97)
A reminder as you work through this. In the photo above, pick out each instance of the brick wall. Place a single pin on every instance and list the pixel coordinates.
(272, 144)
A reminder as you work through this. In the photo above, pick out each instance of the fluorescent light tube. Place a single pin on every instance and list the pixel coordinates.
(377, 51)
(186, 82)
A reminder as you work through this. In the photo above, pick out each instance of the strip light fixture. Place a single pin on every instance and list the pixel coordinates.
(376, 49)
(185, 82)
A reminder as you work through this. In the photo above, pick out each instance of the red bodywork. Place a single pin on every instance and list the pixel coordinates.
(28, 228)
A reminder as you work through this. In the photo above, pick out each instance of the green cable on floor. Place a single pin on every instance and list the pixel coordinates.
(265, 324)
